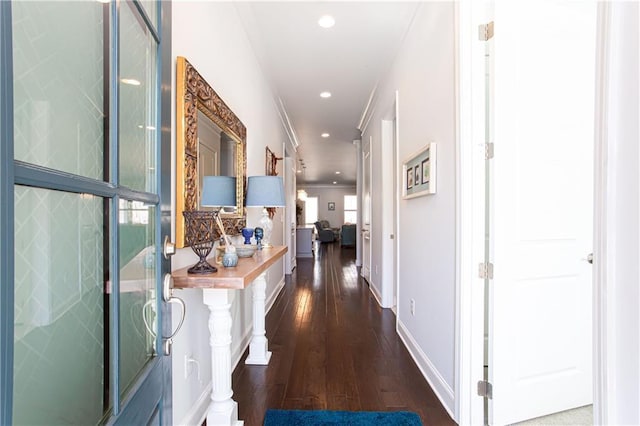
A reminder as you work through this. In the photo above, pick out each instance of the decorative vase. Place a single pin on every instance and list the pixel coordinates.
(229, 260)
(247, 233)
(198, 225)
(259, 233)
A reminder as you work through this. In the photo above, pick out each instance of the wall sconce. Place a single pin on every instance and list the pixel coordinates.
(265, 191)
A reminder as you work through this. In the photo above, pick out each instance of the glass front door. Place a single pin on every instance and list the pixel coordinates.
(87, 197)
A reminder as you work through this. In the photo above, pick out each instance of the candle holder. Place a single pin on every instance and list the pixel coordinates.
(199, 227)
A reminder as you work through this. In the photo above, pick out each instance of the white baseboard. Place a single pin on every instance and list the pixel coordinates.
(198, 412)
(376, 294)
(440, 387)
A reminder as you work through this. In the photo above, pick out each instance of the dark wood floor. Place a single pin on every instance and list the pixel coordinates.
(333, 348)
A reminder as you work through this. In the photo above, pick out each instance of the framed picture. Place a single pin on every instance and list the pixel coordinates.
(331, 205)
(419, 173)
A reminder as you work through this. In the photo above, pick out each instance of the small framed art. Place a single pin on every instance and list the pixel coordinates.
(331, 205)
(419, 173)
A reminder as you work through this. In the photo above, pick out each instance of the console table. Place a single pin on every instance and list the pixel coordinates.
(223, 410)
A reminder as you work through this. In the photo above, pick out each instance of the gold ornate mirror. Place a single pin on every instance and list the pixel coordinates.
(210, 140)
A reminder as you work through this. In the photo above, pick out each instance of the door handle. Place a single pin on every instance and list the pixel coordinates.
(167, 297)
(168, 248)
(589, 258)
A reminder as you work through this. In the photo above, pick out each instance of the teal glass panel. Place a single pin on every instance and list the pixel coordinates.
(137, 128)
(58, 85)
(136, 222)
(59, 308)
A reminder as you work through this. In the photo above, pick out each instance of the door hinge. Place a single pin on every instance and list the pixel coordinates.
(485, 389)
(488, 151)
(485, 270)
(485, 31)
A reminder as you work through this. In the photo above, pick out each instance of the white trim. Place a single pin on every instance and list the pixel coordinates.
(603, 352)
(367, 112)
(470, 177)
(376, 293)
(439, 386)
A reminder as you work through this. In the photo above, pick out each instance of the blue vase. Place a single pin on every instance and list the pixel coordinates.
(259, 234)
(247, 233)
(229, 260)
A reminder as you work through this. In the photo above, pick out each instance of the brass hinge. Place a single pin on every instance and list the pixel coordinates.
(485, 389)
(485, 270)
(488, 151)
(485, 31)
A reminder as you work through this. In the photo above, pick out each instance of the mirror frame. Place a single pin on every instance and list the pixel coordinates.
(194, 94)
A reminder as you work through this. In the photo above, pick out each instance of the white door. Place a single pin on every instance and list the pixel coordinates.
(366, 210)
(540, 327)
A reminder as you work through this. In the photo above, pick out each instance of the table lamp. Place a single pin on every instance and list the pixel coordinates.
(265, 191)
(217, 191)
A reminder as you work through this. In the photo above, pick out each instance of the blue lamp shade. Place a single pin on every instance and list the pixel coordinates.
(265, 191)
(218, 191)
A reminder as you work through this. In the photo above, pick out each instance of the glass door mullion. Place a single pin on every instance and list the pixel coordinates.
(6, 215)
(112, 228)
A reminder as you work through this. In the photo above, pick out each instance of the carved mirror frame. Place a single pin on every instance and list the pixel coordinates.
(194, 94)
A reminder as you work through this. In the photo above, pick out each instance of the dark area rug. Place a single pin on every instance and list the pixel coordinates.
(342, 418)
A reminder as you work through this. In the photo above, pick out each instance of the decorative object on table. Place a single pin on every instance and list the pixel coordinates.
(198, 226)
(331, 206)
(247, 233)
(259, 232)
(265, 191)
(217, 191)
(419, 173)
(246, 250)
(229, 259)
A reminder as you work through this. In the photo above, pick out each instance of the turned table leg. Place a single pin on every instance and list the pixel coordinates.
(258, 348)
(223, 410)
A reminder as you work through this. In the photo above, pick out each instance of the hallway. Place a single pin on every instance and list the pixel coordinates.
(333, 348)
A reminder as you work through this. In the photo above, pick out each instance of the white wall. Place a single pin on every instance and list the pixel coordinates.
(326, 194)
(211, 37)
(423, 73)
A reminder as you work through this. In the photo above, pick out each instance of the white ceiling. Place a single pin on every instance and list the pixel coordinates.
(301, 59)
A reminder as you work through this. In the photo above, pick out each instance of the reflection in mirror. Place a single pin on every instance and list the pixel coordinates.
(210, 140)
(216, 154)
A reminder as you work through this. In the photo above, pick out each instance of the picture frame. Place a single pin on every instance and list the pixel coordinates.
(331, 206)
(419, 172)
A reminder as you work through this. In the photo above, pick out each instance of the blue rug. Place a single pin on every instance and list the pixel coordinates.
(341, 418)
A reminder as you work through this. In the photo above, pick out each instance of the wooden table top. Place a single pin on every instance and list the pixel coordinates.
(237, 277)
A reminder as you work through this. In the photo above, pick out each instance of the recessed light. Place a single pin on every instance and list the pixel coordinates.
(326, 21)
(130, 81)
(325, 95)
(325, 135)
(338, 172)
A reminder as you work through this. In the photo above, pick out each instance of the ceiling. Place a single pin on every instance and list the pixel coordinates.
(301, 60)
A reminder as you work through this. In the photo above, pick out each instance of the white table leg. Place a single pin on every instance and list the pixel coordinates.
(223, 410)
(258, 348)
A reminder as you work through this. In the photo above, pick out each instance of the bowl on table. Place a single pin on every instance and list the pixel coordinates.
(246, 250)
